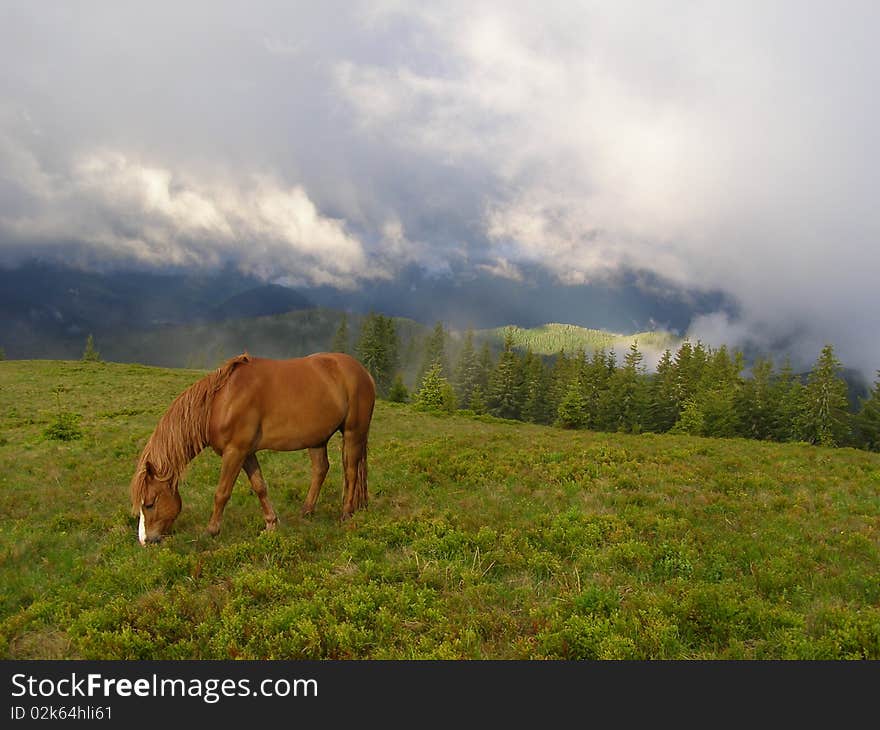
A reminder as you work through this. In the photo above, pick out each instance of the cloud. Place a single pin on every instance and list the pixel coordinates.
(503, 269)
(133, 212)
(714, 146)
(722, 147)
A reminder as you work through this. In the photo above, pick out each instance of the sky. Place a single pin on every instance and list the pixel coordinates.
(723, 147)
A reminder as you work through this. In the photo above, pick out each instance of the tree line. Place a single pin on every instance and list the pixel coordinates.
(696, 389)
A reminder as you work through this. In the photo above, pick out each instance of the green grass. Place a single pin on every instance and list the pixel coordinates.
(484, 539)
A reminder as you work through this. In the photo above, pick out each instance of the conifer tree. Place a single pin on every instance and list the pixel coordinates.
(467, 371)
(717, 391)
(824, 416)
(720, 417)
(692, 421)
(535, 390)
(478, 400)
(506, 383)
(662, 402)
(786, 398)
(560, 377)
(435, 352)
(628, 393)
(867, 420)
(683, 367)
(485, 366)
(340, 339)
(572, 410)
(690, 365)
(435, 392)
(377, 349)
(603, 411)
(398, 392)
(754, 402)
(90, 354)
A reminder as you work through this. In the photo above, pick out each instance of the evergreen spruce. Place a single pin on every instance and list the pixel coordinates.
(398, 392)
(435, 352)
(662, 403)
(467, 371)
(717, 392)
(572, 411)
(536, 387)
(560, 377)
(867, 420)
(754, 402)
(377, 349)
(824, 413)
(340, 339)
(90, 354)
(506, 383)
(477, 402)
(603, 410)
(628, 393)
(485, 366)
(692, 421)
(435, 392)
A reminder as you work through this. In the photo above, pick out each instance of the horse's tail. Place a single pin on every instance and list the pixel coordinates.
(358, 487)
(361, 498)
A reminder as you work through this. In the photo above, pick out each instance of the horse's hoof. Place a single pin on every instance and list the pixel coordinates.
(307, 512)
(270, 526)
(213, 531)
(346, 516)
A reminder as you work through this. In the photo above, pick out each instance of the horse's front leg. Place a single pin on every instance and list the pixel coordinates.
(233, 459)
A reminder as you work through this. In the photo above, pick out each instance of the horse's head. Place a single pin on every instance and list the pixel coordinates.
(156, 501)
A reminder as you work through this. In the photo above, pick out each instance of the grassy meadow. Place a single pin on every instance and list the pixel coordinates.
(484, 539)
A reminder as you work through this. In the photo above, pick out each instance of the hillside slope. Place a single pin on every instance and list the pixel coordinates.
(549, 339)
(484, 539)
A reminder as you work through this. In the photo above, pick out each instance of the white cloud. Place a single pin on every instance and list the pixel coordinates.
(147, 213)
(723, 147)
(503, 269)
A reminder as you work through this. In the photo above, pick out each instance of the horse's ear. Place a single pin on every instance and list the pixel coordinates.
(149, 470)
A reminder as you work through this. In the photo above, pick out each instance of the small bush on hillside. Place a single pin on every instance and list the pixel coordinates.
(65, 427)
(398, 392)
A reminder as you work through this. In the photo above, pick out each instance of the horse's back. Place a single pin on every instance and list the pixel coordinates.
(294, 403)
(320, 374)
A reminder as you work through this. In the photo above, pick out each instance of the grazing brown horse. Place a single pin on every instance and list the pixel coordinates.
(249, 404)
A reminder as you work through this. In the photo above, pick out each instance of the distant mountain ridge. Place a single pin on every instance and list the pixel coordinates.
(46, 310)
(261, 301)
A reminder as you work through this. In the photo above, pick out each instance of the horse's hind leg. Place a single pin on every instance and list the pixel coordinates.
(258, 485)
(231, 465)
(320, 467)
(354, 458)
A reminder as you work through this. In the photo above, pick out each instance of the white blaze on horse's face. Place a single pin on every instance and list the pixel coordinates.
(159, 508)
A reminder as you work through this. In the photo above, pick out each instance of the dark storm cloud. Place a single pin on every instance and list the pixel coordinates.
(721, 146)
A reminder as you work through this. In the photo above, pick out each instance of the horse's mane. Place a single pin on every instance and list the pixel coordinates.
(181, 433)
